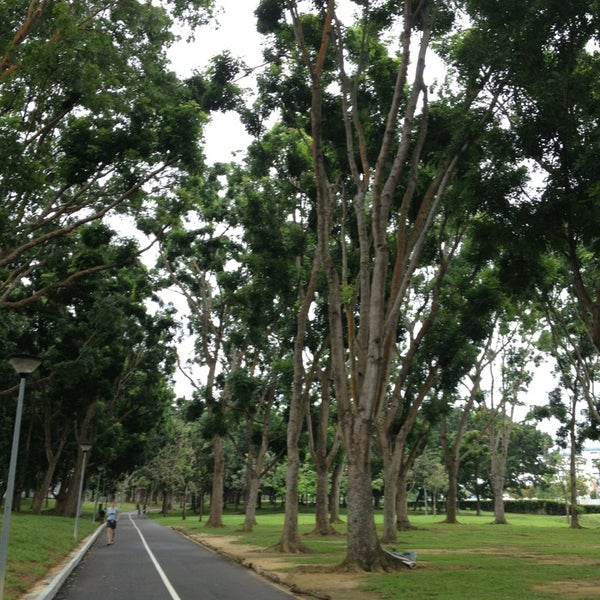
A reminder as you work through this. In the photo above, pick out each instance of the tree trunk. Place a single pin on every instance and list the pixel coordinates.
(215, 518)
(290, 538)
(322, 523)
(52, 458)
(451, 451)
(452, 496)
(363, 550)
(498, 458)
(402, 519)
(336, 485)
(322, 457)
(165, 503)
(251, 501)
(200, 506)
(184, 508)
(67, 507)
(390, 492)
(66, 504)
(573, 466)
(497, 477)
(478, 503)
(254, 472)
(499, 512)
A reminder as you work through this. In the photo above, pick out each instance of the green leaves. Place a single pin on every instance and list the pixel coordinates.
(91, 117)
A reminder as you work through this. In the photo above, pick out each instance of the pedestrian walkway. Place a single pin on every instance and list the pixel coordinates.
(152, 562)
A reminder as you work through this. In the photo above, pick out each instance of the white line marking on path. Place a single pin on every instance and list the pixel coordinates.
(165, 579)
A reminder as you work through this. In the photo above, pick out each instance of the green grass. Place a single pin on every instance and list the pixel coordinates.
(37, 543)
(534, 557)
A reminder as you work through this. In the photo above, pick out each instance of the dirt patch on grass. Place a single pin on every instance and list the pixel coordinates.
(571, 590)
(324, 582)
(304, 581)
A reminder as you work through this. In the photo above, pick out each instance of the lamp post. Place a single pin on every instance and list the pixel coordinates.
(85, 448)
(23, 364)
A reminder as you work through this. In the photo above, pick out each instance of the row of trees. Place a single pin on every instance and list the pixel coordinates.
(180, 473)
(385, 242)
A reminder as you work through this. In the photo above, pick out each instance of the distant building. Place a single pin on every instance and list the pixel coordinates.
(588, 471)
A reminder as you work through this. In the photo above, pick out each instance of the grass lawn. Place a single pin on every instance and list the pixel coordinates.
(534, 557)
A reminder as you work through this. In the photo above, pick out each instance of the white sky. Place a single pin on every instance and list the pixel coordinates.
(236, 33)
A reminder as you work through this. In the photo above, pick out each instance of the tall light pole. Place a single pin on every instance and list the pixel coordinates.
(23, 364)
(85, 448)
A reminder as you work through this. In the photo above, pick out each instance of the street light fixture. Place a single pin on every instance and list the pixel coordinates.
(85, 448)
(23, 364)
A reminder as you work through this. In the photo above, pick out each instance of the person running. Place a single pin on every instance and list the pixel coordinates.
(112, 517)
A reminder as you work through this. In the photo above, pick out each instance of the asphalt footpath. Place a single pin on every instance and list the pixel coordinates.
(152, 562)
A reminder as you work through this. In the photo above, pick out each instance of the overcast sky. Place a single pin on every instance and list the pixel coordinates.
(236, 33)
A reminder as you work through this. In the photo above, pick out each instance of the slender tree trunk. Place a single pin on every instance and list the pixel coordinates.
(499, 511)
(398, 456)
(165, 502)
(251, 502)
(322, 523)
(254, 472)
(67, 507)
(498, 458)
(52, 458)
(402, 518)
(336, 486)
(322, 456)
(452, 495)
(215, 518)
(451, 451)
(200, 506)
(498, 478)
(290, 537)
(573, 466)
(390, 492)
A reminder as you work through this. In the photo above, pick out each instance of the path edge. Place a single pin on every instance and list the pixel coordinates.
(53, 584)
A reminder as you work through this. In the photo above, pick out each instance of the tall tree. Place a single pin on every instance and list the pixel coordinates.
(499, 412)
(368, 132)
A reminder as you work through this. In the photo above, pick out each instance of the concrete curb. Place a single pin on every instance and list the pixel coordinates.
(51, 585)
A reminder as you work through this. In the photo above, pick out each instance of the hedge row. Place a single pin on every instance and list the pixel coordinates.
(539, 507)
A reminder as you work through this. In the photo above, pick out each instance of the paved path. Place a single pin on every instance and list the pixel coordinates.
(152, 562)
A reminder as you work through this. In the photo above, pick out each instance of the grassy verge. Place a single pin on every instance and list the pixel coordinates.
(535, 557)
(37, 543)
